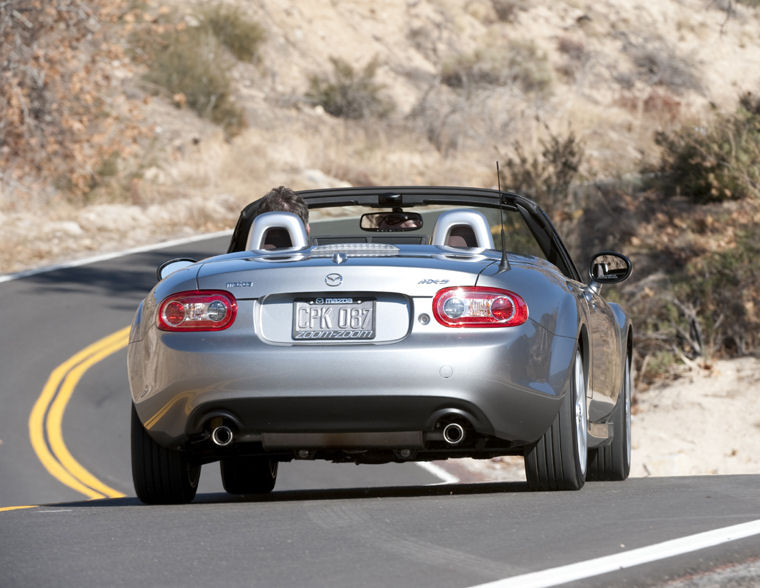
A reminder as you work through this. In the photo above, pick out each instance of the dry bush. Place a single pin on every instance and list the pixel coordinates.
(508, 10)
(717, 161)
(729, 6)
(572, 48)
(663, 105)
(718, 295)
(693, 305)
(57, 124)
(576, 57)
(233, 29)
(658, 64)
(657, 104)
(461, 123)
(348, 93)
(547, 177)
(519, 64)
(192, 67)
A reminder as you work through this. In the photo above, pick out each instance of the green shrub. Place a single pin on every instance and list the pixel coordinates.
(519, 64)
(716, 162)
(348, 94)
(193, 65)
(230, 26)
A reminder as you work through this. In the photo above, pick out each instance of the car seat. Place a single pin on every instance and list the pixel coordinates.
(462, 229)
(281, 231)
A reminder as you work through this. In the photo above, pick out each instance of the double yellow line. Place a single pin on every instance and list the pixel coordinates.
(47, 415)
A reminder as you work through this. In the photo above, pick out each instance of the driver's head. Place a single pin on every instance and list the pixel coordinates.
(283, 199)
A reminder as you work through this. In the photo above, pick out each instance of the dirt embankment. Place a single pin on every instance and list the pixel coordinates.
(707, 422)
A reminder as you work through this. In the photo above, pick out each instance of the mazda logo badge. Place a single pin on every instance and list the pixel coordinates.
(333, 279)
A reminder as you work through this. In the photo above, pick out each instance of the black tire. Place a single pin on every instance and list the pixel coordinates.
(248, 475)
(559, 459)
(613, 462)
(160, 475)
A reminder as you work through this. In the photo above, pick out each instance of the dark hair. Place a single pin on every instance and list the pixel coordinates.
(283, 199)
(279, 199)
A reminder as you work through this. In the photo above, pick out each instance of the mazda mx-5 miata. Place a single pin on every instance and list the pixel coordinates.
(408, 324)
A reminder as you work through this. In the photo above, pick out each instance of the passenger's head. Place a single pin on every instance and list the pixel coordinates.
(283, 199)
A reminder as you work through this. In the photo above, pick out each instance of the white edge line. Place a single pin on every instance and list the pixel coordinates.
(114, 255)
(439, 472)
(628, 559)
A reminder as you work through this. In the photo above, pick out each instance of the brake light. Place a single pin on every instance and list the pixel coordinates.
(478, 306)
(199, 310)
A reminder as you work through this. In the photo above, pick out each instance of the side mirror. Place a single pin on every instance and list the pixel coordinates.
(172, 265)
(609, 267)
(391, 221)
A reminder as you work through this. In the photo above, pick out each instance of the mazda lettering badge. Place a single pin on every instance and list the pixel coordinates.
(333, 279)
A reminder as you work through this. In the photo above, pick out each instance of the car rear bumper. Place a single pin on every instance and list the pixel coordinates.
(506, 383)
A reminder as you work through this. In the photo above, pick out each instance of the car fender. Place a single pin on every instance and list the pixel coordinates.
(623, 322)
(140, 349)
(553, 300)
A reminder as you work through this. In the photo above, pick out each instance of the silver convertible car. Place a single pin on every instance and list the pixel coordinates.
(408, 324)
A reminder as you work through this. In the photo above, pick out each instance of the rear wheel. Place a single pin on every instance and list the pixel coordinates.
(160, 475)
(248, 475)
(613, 462)
(558, 460)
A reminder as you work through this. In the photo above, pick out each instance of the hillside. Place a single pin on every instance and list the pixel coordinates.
(129, 122)
(466, 80)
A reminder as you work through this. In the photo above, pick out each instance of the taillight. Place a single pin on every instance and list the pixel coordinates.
(200, 310)
(478, 306)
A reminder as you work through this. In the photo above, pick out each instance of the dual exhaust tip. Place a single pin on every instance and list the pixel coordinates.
(453, 434)
(222, 436)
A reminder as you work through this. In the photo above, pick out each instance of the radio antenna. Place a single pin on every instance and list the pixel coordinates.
(503, 264)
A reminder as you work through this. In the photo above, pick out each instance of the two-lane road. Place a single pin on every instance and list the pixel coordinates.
(326, 524)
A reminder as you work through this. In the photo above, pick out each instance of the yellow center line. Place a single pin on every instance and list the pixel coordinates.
(10, 508)
(55, 419)
(47, 416)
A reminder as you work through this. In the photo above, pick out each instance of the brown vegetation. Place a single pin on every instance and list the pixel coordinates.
(61, 119)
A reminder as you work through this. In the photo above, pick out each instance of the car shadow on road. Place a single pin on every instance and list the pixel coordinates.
(325, 494)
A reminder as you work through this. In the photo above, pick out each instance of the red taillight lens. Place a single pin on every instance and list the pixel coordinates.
(477, 306)
(202, 310)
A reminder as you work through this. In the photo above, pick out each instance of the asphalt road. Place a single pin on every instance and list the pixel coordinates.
(325, 524)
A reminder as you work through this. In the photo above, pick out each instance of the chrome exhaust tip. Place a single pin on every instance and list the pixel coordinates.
(453, 433)
(221, 436)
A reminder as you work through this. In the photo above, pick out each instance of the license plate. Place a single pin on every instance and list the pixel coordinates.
(334, 317)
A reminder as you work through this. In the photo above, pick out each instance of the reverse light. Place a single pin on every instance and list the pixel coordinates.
(199, 310)
(478, 306)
